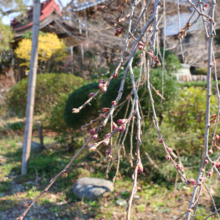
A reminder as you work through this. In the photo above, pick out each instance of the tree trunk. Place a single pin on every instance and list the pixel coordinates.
(31, 89)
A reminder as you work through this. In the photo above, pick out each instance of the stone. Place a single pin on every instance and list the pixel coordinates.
(36, 147)
(121, 202)
(92, 188)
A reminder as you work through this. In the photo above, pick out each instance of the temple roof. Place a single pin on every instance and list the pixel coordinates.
(50, 21)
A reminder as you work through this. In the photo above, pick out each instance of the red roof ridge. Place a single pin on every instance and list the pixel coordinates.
(47, 8)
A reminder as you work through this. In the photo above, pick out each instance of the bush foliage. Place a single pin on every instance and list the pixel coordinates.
(75, 100)
(49, 88)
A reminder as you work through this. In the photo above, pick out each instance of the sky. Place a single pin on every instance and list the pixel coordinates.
(7, 19)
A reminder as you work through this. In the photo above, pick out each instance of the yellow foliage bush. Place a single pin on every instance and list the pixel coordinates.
(47, 45)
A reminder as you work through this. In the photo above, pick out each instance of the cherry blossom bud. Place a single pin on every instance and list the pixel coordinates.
(190, 210)
(217, 137)
(200, 179)
(101, 115)
(203, 170)
(155, 58)
(75, 110)
(114, 102)
(92, 131)
(210, 173)
(105, 109)
(160, 140)
(106, 142)
(26, 204)
(93, 147)
(121, 128)
(199, 183)
(169, 149)
(100, 7)
(140, 168)
(64, 174)
(121, 121)
(104, 89)
(168, 157)
(213, 163)
(217, 165)
(213, 116)
(140, 47)
(108, 151)
(210, 151)
(101, 80)
(95, 136)
(140, 55)
(114, 125)
(110, 157)
(206, 161)
(206, 5)
(179, 167)
(152, 11)
(91, 94)
(118, 32)
(101, 85)
(108, 135)
(150, 29)
(192, 182)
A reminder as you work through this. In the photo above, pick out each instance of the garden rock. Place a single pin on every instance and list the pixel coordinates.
(92, 188)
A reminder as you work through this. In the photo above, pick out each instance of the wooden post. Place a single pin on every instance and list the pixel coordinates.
(40, 133)
(31, 88)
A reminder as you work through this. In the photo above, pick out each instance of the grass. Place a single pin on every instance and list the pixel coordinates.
(152, 198)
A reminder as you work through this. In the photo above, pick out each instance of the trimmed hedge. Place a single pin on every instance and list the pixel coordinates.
(75, 100)
(49, 87)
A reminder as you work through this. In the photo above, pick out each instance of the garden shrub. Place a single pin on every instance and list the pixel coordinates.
(170, 91)
(200, 71)
(75, 100)
(49, 87)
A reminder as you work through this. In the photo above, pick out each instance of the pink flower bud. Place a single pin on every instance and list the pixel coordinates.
(160, 140)
(91, 94)
(206, 161)
(100, 7)
(108, 135)
(168, 157)
(118, 32)
(114, 125)
(192, 182)
(140, 47)
(114, 102)
(179, 167)
(203, 170)
(121, 128)
(101, 85)
(190, 210)
(26, 204)
(140, 168)
(105, 109)
(64, 174)
(115, 75)
(213, 116)
(217, 137)
(169, 149)
(106, 142)
(213, 163)
(104, 89)
(101, 80)
(217, 165)
(75, 110)
(92, 131)
(108, 151)
(93, 147)
(206, 5)
(95, 136)
(210, 151)
(210, 173)
(121, 121)
(150, 29)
